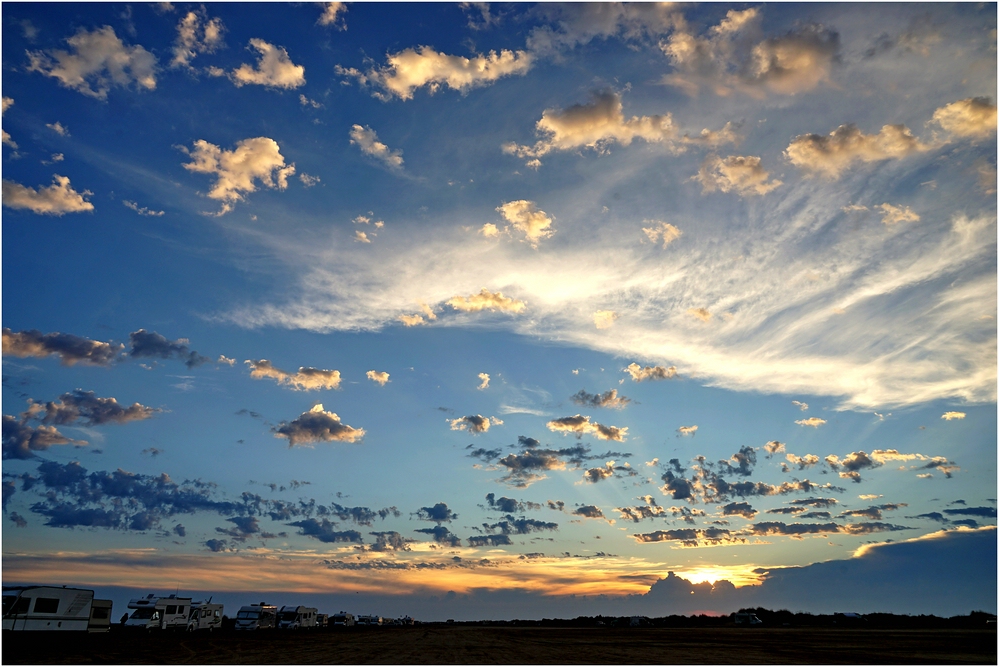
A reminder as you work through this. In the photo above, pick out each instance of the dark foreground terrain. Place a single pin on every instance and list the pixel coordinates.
(458, 644)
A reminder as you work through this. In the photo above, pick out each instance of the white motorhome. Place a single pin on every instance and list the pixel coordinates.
(369, 620)
(256, 616)
(34, 608)
(159, 613)
(295, 618)
(343, 619)
(205, 616)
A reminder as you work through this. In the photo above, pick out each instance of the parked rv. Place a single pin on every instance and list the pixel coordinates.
(34, 608)
(159, 613)
(256, 616)
(296, 618)
(100, 616)
(322, 620)
(205, 616)
(343, 619)
(747, 619)
(369, 620)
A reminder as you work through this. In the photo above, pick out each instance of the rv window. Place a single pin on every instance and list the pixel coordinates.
(46, 605)
(217, 613)
(171, 609)
(142, 613)
(248, 615)
(100, 613)
(180, 609)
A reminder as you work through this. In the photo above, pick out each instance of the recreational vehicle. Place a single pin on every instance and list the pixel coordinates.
(100, 616)
(159, 613)
(369, 620)
(205, 616)
(343, 619)
(256, 616)
(54, 608)
(295, 618)
(322, 620)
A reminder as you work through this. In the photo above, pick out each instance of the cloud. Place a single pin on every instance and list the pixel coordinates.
(832, 154)
(323, 530)
(984, 512)
(306, 379)
(217, 546)
(949, 416)
(797, 530)
(21, 441)
(70, 349)
(896, 214)
(411, 69)
(57, 199)
(733, 56)
(381, 377)
(700, 313)
(489, 540)
(801, 406)
(484, 384)
(814, 422)
(486, 300)
(773, 447)
(333, 15)
(579, 426)
(473, 423)
(521, 526)
(604, 319)
(873, 512)
(509, 505)
(151, 344)
(390, 540)
(661, 230)
(439, 513)
(974, 118)
(528, 466)
(141, 210)
(742, 175)
(58, 128)
(90, 410)
(744, 510)
(590, 512)
(525, 217)
(687, 430)
(98, 61)
(596, 126)
(196, 34)
(317, 425)
(690, 537)
(640, 374)
(806, 461)
(256, 159)
(743, 461)
(574, 24)
(367, 140)
(274, 68)
(442, 535)
(608, 399)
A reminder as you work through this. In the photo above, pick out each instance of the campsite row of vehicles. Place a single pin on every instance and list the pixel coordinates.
(31, 608)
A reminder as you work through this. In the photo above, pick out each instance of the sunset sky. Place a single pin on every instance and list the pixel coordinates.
(493, 311)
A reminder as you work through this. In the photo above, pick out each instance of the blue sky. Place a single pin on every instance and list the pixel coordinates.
(514, 302)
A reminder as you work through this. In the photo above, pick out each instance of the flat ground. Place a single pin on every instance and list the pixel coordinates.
(460, 644)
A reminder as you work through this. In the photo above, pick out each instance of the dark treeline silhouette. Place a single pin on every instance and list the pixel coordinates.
(768, 618)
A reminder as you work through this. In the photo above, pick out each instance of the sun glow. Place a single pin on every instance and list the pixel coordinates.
(739, 575)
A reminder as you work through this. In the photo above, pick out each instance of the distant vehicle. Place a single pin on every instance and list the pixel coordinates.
(100, 616)
(51, 608)
(159, 613)
(296, 618)
(322, 620)
(343, 619)
(369, 620)
(744, 618)
(639, 622)
(256, 616)
(404, 620)
(205, 616)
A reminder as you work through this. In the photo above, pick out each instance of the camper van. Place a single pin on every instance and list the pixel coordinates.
(159, 613)
(256, 616)
(369, 620)
(100, 616)
(205, 616)
(54, 608)
(296, 618)
(342, 619)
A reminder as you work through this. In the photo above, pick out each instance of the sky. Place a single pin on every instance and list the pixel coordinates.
(502, 310)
